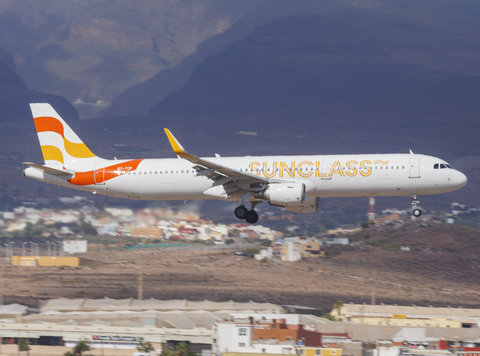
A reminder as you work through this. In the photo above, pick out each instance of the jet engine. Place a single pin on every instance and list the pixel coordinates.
(283, 194)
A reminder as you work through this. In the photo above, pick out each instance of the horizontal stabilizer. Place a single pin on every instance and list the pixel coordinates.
(50, 170)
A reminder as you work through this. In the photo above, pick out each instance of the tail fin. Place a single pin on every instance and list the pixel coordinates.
(61, 147)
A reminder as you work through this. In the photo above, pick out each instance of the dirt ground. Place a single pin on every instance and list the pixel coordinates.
(430, 276)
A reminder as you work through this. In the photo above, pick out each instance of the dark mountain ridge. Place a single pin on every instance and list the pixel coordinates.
(15, 96)
(349, 55)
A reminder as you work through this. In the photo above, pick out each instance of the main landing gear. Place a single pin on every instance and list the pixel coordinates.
(416, 211)
(250, 216)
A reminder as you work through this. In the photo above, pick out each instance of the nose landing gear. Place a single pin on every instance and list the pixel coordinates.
(416, 211)
(250, 216)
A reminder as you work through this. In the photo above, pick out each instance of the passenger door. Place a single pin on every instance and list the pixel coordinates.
(414, 168)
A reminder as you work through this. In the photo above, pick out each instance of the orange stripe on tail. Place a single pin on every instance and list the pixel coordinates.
(46, 123)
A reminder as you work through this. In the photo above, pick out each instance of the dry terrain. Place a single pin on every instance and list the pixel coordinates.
(447, 274)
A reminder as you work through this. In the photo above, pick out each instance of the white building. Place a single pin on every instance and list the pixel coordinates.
(294, 252)
(75, 246)
(237, 337)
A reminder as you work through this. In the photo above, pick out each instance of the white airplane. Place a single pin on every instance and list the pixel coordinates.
(293, 182)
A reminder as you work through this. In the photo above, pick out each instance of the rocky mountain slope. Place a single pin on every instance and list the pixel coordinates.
(15, 95)
(91, 51)
(347, 55)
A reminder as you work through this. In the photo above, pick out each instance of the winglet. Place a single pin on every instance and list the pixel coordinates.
(177, 147)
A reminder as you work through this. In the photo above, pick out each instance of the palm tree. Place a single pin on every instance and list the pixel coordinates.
(145, 346)
(182, 349)
(23, 346)
(81, 347)
(338, 306)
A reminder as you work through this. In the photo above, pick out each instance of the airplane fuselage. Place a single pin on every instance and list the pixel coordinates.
(323, 176)
(293, 182)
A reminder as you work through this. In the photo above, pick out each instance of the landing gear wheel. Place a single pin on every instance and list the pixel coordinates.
(416, 211)
(252, 217)
(241, 212)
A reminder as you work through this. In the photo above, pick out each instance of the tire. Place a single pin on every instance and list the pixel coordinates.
(417, 212)
(252, 217)
(241, 212)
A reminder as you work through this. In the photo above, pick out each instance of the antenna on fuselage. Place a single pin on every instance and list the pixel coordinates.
(411, 152)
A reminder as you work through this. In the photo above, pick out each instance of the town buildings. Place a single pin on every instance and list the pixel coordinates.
(115, 327)
(408, 316)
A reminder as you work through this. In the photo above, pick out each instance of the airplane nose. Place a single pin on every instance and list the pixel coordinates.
(460, 179)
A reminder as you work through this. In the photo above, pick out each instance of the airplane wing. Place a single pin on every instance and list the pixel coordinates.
(221, 175)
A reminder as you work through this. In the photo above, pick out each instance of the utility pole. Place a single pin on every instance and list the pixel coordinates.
(140, 285)
(371, 210)
(1, 286)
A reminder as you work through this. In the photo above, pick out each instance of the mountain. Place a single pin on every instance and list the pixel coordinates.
(139, 98)
(91, 51)
(347, 55)
(15, 95)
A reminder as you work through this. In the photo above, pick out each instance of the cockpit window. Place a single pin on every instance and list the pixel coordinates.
(442, 165)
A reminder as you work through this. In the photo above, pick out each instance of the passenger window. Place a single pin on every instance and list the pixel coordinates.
(139, 172)
(403, 167)
(386, 167)
(435, 166)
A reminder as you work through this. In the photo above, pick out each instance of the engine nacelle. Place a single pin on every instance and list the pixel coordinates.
(309, 205)
(283, 194)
